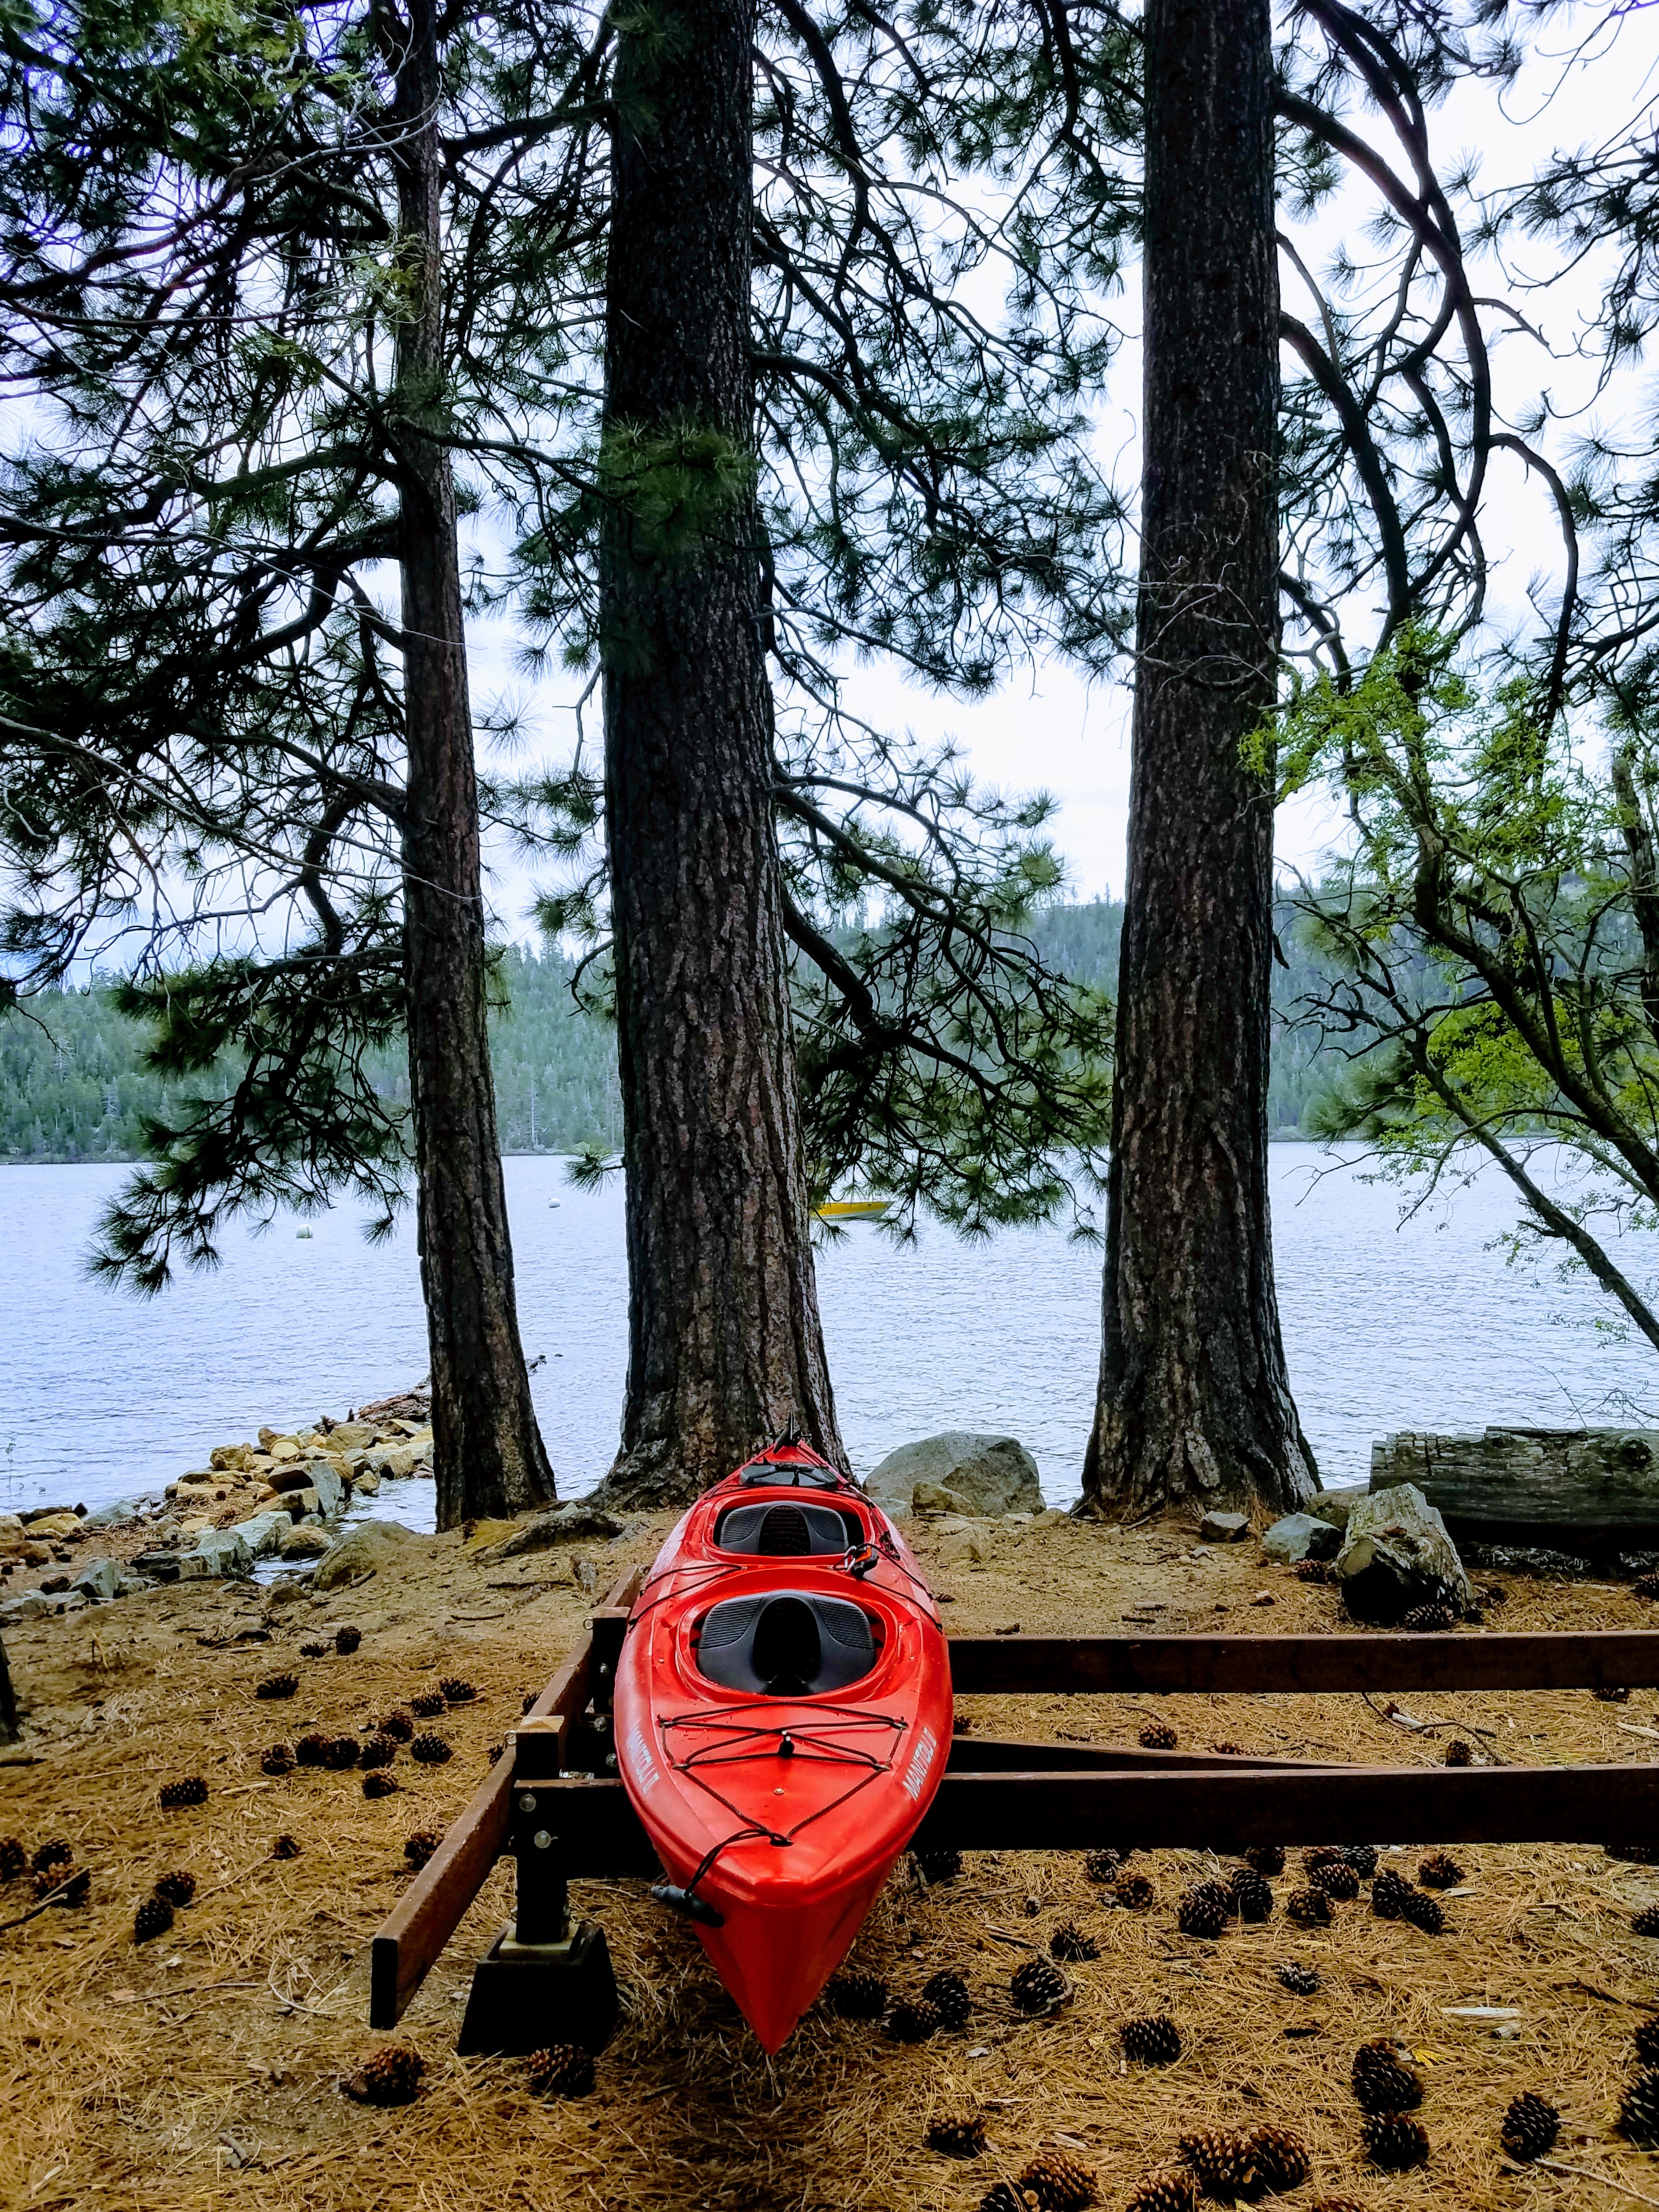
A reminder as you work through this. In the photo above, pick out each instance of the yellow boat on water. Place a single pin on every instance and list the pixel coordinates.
(853, 1209)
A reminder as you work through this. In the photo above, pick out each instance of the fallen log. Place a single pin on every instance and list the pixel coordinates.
(1593, 1489)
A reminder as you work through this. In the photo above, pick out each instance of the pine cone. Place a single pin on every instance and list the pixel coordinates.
(1159, 1735)
(276, 1685)
(310, 1750)
(1337, 1878)
(1382, 2081)
(457, 1689)
(427, 1705)
(340, 1753)
(1313, 1571)
(152, 1917)
(913, 2020)
(1428, 1913)
(397, 1724)
(56, 1853)
(346, 1641)
(1458, 1753)
(959, 2135)
(392, 2076)
(1439, 1871)
(1134, 1892)
(529, 1699)
(1227, 1750)
(276, 1759)
(1645, 2043)
(1281, 2158)
(1166, 2189)
(419, 1847)
(285, 1847)
(377, 1751)
(1389, 1893)
(1646, 1922)
(430, 1750)
(1204, 1910)
(192, 1791)
(1267, 1859)
(1224, 2162)
(77, 1891)
(1153, 2041)
(1061, 2184)
(1638, 2108)
(1072, 1944)
(1395, 2143)
(1608, 1694)
(937, 1866)
(563, 2069)
(315, 1650)
(380, 1784)
(1430, 1620)
(947, 1992)
(1103, 1865)
(857, 1996)
(1362, 1858)
(1038, 1986)
(1252, 1898)
(1308, 1908)
(1530, 2126)
(1301, 1981)
(1003, 2196)
(1645, 1586)
(176, 1888)
(12, 1858)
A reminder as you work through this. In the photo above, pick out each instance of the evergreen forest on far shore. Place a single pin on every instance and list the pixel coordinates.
(73, 1086)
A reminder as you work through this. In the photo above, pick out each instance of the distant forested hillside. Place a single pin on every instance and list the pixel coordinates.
(73, 1087)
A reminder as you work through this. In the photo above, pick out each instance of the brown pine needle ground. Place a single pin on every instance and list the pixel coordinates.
(201, 2069)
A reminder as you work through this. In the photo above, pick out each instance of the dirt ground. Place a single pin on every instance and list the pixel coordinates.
(202, 2067)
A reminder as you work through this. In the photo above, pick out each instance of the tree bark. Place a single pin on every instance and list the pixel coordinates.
(8, 1728)
(487, 1452)
(1193, 1401)
(725, 1345)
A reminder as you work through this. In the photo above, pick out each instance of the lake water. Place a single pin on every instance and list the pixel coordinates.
(1387, 1326)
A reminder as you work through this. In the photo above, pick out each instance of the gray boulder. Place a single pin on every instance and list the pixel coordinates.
(1334, 1505)
(108, 1516)
(218, 1552)
(1302, 1536)
(565, 1524)
(1396, 1555)
(264, 1531)
(99, 1580)
(983, 1475)
(331, 1491)
(1224, 1527)
(363, 1550)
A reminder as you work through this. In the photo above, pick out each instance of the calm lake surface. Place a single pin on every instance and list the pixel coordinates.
(1387, 1326)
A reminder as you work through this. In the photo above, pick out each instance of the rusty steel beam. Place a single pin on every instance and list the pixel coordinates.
(411, 1937)
(990, 1665)
(600, 1836)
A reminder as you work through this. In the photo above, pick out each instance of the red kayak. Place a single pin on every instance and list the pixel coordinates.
(782, 1720)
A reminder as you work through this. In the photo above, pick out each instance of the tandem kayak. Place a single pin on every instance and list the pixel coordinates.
(782, 1722)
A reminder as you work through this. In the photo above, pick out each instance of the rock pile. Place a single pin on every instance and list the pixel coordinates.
(275, 1497)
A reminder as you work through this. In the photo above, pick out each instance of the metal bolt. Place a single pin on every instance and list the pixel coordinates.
(541, 1840)
(527, 1802)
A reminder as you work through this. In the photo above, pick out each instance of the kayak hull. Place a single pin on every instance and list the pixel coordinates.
(779, 1801)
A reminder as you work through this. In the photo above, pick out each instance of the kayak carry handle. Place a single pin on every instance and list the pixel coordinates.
(688, 1905)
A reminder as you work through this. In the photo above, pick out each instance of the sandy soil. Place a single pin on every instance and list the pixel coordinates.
(202, 2067)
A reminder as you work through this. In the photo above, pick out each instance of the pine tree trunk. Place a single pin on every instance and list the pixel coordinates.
(725, 1346)
(487, 1451)
(1194, 1402)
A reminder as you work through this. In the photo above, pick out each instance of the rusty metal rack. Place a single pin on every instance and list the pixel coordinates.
(554, 1803)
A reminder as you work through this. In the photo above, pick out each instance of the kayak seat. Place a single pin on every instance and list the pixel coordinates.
(785, 1531)
(786, 1643)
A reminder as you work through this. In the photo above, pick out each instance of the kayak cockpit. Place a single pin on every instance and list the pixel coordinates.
(781, 1528)
(786, 1643)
